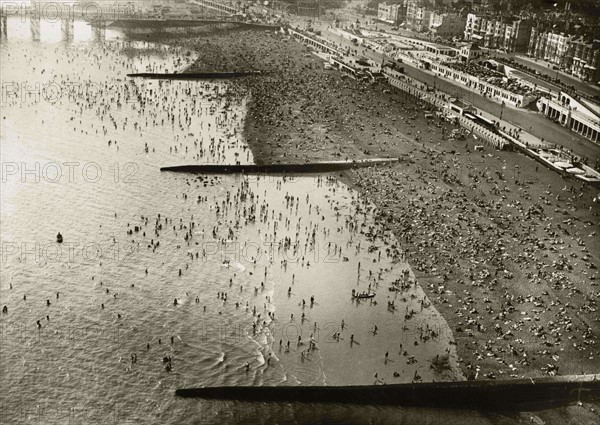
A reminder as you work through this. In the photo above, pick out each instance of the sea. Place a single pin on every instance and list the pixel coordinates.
(166, 280)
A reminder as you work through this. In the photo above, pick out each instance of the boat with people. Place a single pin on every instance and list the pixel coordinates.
(362, 295)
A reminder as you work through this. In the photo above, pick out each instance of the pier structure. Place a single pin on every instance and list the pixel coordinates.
(3, 27)
(67, 26)
(101, 17)
(99, 30)
(34, 25)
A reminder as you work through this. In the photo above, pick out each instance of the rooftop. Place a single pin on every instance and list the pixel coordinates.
(461, 104)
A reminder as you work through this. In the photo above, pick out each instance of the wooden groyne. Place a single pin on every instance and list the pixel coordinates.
(161, 23)
(486, 394)
(196, 75)
(313, 167)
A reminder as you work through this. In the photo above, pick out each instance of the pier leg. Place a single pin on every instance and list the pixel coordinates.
(67, 28)
(3, 27)
(34, 24)
(99, 30)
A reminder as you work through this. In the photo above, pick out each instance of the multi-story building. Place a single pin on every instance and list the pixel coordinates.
(417, 15)
(402, 7)
(575, 55)
(585, 59)
(472, 27)
(447, 25)
(392, 13)
(384, 13)
(478, 5)
(548, 45)
(517, 35)
(508, 33)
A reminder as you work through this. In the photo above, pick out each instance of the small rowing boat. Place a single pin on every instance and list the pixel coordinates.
(363, 295)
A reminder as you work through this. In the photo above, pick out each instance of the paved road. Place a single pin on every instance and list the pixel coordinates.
(534, 80)
(542, 68)
(530, 121)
